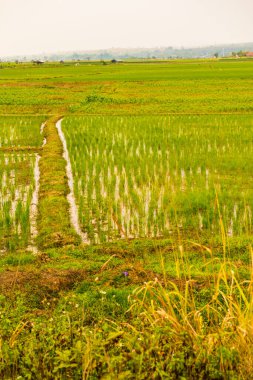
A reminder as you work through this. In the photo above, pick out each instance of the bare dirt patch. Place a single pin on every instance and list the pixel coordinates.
(48, 280)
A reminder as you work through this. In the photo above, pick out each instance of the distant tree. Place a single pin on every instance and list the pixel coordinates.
(241, 53)
(113, 61)
(216, 55)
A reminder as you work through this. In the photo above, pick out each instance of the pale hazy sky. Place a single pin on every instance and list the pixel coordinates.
(44, 26)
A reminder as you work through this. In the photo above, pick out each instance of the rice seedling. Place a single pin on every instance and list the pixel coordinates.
(19, 139)
(20, 132)
(155, 176)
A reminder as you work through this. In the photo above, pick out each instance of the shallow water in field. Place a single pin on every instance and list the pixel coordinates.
(71, 196)
(19, 178)
(155, 176)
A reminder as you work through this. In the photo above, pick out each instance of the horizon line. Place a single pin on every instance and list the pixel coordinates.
(93, 51)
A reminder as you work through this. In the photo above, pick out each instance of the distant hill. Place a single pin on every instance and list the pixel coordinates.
(131, 53)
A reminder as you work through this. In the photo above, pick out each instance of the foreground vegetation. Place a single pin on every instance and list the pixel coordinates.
(134, 311)
(167, 292)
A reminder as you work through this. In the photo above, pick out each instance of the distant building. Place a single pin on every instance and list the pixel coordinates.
(249, 54)
(38, 62)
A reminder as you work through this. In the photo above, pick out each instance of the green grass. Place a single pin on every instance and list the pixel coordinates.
(93, 321)
(53, 220)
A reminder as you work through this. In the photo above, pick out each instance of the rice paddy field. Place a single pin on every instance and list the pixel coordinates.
(126, 210)
(20, 138)
(138, 177)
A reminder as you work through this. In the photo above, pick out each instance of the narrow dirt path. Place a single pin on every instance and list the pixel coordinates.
(71, 196)
(54, 223)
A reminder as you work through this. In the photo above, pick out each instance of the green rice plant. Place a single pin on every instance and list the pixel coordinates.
(15, 198)
(18, 138)
(155, 176)
(20, 132)
(129, 88)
